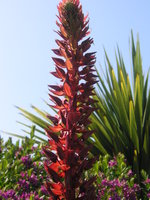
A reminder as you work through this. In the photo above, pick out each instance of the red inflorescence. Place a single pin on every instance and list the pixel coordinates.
(67, 153)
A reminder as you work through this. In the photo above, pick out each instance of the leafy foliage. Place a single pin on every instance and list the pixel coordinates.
(145, 185)
(22, 173)
(115, 180)
(25, 181)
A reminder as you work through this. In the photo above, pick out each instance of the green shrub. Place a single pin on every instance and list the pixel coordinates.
(22, 174)
(116, 180)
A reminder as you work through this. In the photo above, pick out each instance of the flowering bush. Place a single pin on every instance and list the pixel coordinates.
(22, 173)
(145, 185)
(115, 180)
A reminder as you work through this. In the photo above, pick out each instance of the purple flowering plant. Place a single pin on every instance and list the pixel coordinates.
(145, 185)
(22, 174)
(115, 180)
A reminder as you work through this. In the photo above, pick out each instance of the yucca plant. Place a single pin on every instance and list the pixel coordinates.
(122, 122)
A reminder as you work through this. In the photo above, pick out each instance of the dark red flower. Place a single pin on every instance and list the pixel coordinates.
(67, 153)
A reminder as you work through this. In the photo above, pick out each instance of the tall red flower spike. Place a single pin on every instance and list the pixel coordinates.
(67, 153)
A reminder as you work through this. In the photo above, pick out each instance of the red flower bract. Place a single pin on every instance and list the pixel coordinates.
(67, 153)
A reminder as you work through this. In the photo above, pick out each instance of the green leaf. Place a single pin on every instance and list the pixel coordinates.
(37, 120)
(4, 164)
(32, 131)
(133, 127)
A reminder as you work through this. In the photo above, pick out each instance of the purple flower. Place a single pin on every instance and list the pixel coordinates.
(115, 197)
(148, 195)
(23, 184)
(23, 174)
(25, 195)
(9, 194)
(43, 190)
(147, 181)
(33, 179)
(136, 187)
(26, 160)
(112, 163)
(33, 148)
(130, 173)
(105, 182)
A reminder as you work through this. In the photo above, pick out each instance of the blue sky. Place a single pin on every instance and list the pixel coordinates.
(27, 37)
